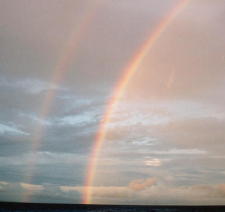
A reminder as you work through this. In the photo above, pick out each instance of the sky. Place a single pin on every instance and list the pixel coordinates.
(60, 61)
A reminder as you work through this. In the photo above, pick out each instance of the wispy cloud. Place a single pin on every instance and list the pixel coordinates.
(78, 119)
(29, 85)
(32, 187)
(141, 184)
(179, 152)
(11, 130)
(153, 162)
(44, 158)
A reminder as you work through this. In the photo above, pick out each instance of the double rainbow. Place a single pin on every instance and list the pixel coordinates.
(59, 74)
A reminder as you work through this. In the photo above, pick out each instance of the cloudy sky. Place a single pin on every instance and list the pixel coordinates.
(59, 63)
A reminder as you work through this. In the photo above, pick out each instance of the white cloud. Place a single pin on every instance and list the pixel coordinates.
(32, 187)
(153, 162)
(81, 119)
(11, 130)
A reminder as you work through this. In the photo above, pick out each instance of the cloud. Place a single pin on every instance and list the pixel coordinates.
(43, 158)
(32, 187)
(205, 134)
(3, 185)
(101, 192)
(178, 152)
(148, 191)
(144, 141)
(47, 193)
(153, 162)
(162, 195)
(130, 113)
(221, 189)
(72, 112)
(29, 85)
(11, 130)
(140, 191)
(79, 119)
(141, 184)
(34, 118)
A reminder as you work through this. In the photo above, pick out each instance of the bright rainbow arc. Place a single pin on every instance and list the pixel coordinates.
(118, 92)
(59, 73)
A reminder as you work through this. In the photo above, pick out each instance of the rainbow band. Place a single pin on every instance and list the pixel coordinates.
(59, 73)
(120, 88)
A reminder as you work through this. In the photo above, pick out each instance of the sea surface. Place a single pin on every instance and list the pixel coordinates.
(33, 207)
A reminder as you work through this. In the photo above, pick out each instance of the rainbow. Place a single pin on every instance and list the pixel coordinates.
(60, 70)
(118, 92)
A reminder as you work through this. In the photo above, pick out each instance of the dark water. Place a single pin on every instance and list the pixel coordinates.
(25, 207)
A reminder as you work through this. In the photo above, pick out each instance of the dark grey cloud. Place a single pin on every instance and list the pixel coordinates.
(47, 193)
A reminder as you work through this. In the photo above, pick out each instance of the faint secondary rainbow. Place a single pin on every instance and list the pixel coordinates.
(61, 68)
(120, 87)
